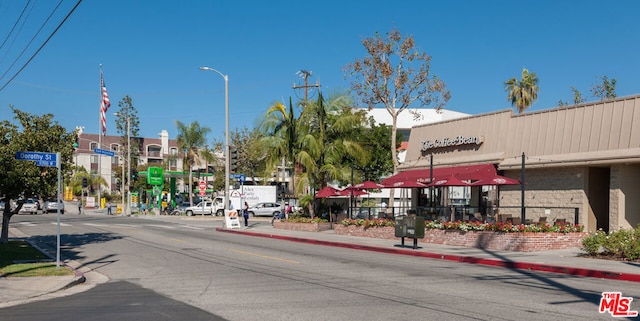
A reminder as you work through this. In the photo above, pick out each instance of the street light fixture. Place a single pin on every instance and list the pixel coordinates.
(226, 135)
(126, 190)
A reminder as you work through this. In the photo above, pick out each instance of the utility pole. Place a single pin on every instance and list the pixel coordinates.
(305, 74)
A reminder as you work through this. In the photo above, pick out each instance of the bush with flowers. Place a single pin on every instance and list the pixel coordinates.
(303, 219)
(477, 226)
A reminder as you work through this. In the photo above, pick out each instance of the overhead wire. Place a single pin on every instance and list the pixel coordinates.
(42, 46)
(32, 39)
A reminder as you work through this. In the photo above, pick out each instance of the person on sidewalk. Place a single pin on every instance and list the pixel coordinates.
(108, 208)
(79, 207)
(245, 214)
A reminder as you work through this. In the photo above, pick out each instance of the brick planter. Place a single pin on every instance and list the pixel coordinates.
(523, 242)
(307, 227)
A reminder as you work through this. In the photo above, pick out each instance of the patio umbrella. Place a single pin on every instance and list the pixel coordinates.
(366, 185)
(348, 192)
(404, 184)
(496, 180)
(327, 191)
(450, 181)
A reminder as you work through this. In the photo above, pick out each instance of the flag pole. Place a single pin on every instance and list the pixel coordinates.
(100, 133)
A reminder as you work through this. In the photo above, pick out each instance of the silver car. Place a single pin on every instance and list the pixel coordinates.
(265, 209)
(52, 206)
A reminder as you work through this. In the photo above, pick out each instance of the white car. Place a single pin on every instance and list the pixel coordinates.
(30, 206)
(265, 209)
(52, 206)
(207, 208)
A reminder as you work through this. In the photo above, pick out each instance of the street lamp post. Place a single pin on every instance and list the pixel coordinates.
(128, 209)
(226, 135)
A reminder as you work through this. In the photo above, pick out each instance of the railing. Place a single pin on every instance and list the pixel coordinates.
(533, 214)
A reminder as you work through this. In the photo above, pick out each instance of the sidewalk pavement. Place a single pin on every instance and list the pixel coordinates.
(15, 291)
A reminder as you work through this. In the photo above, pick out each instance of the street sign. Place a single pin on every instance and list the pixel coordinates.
(239, 177)
(203, 187)
(103, 152)
(41, 159)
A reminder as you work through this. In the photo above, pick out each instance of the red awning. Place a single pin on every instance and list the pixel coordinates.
(465, 172)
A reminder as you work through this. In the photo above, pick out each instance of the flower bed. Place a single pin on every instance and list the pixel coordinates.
(499, 236)
(302, 225)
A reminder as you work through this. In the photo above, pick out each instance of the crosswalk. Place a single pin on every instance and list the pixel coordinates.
(119, 225)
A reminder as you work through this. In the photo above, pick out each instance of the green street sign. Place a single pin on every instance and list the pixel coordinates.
(155, 176)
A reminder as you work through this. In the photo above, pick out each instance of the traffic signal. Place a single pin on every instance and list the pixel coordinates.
(233, 159)
(134, 174)
(76, 141)
(85, 182)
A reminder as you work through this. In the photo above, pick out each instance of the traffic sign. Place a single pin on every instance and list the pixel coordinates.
(239, 177)
(103, 152)
(203, 187)
(41, 159)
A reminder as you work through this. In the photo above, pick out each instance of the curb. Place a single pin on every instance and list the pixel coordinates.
(79, 276)
(456, 258)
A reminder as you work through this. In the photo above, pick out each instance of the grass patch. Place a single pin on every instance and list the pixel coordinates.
(20, 259)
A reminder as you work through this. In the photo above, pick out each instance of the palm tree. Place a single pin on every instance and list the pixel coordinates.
(524, 92)
(280, 127)
(191, 139)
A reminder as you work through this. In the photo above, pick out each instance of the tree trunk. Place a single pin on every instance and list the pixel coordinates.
(6, 217)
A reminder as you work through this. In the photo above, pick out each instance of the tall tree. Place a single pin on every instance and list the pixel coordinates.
(577, 96)
(523, 92)
(191, 139)
(251, 152)
(280, 133)
(605, 90)
(396, 74)
(20, 180)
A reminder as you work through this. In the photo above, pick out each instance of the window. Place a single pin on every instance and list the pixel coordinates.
(115, 147)
(93, 145)
(94, 159)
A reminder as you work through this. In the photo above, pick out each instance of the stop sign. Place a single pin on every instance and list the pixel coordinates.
(202, 187)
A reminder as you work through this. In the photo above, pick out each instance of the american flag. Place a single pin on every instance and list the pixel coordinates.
(104, 105)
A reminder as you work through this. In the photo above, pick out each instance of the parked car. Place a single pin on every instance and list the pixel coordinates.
(52, 206)
(30, 206)
(208, 208)
(265, 209)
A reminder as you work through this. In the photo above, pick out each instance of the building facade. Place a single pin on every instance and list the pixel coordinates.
(585, 156)
(161, 151)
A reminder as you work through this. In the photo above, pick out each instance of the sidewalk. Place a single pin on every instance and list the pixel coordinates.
(567, 261)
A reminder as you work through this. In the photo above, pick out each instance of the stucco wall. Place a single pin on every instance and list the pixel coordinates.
(625, 197)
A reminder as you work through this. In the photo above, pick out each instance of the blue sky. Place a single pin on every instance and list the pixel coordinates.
(151, 51)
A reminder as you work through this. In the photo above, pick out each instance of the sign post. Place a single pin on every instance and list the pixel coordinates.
(47, 160)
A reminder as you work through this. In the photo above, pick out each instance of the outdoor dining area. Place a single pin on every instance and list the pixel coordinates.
(429, 194)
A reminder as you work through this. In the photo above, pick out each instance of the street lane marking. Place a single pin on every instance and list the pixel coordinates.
(162, 226)
(94, 224)
(193, 227)
(61, 224)
(27, 224)
(266, 256)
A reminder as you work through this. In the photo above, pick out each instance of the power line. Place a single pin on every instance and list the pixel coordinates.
(42, 46)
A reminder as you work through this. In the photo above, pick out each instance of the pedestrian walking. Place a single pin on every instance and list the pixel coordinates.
(245, 214)
(108, 208)
(79, 207)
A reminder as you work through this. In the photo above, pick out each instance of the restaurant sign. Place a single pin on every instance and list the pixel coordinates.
(448, 142)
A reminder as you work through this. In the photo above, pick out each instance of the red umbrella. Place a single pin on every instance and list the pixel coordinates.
(404, 184)
(349, 192)
(451, 181)
(327, 191)
(366, 185)
(496, 180)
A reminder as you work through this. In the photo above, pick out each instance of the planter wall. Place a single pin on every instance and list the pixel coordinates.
(307, 227)
(525, 242)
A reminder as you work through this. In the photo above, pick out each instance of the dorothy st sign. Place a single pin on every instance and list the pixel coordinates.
(449, 142)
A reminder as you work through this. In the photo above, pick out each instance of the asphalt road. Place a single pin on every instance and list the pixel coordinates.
(188, 265)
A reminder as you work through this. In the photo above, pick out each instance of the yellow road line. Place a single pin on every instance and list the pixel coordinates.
(266, 256)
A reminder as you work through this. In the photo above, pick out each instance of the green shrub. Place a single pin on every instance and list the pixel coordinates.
(622, 244)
